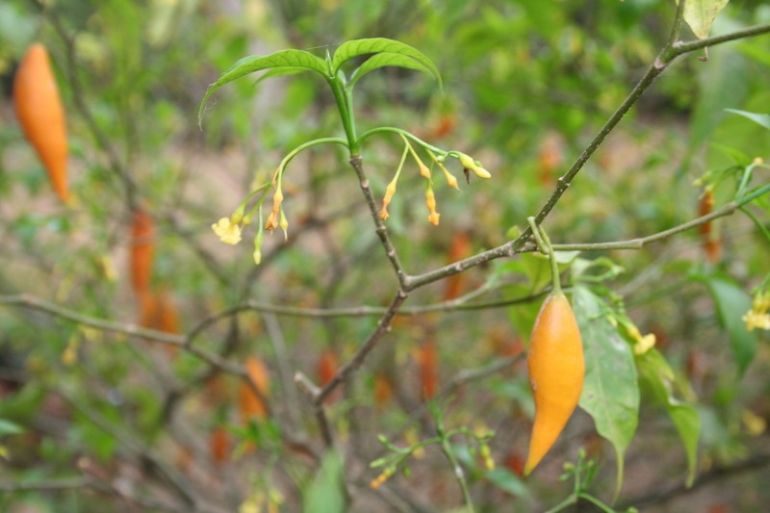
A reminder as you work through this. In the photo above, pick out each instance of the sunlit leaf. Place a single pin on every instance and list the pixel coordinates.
(611, 389)
(376, 45)
(282, 59)
(385, 59)
(700, 15)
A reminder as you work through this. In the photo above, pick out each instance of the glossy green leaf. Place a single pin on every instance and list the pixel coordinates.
(656, 375)
(325, 494)
(732, 304)
(382, 60)
(700, 15)
(611, 389)
(760, 119)
(377, 45)
(253, 63)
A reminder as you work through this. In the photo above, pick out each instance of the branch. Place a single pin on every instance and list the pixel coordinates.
(382, 232)
(130, 330)
(383, 326)
(716, 474)
(640, 242)
(682, 47)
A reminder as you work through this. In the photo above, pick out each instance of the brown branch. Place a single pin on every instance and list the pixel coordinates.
(716, 474)
(382, 231)
(383, 326)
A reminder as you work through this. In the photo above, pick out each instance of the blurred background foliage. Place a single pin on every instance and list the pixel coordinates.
(526, 84)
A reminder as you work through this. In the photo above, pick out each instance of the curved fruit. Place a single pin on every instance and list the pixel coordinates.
(41, 115)
(556, 372)
(142, 251)
(250, 404)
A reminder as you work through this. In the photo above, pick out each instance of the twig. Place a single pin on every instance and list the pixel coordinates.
(717, 474)
(382, 232)
(349, 368)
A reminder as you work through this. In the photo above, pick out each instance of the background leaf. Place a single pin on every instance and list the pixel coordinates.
(656, 375)
(325, 493)
(732, 303)
(760, 119)
(611, 390)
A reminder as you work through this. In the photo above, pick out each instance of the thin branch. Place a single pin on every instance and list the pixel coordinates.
(383, 326)
(682, 47)
(130, 330)
(51, 485)
(640, 242)
(716, 474)
(382, 232)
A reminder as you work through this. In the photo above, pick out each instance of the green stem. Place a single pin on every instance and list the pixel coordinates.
(403, 133)
(457, 470)
(596, 502)
(569, 501)
(544, 243)
(323, 140)
(343, 105)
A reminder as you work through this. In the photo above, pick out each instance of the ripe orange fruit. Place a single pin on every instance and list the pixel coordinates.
(41, 115)
(556, 372)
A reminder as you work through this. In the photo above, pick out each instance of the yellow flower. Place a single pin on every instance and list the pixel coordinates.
(473, 165)
(430, 202)
(757, 320)
(227, 231)
(390, 191)
(643, 342)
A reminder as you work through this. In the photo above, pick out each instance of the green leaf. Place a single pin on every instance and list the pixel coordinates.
(611, 389)
(760, 119)
(656, 374)
(377, 45)
(325, 493)
(700, 15)
(9, 428)
(384, 59)
(508, 481)
(283, 59)
(732, 303)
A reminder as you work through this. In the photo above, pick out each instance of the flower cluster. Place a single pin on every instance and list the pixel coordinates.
(759, 315)
(468, 163)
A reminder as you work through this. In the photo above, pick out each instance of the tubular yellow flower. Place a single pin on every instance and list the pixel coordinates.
(227, 231)
(430, 202)
(390, 191)
(473, 165)
(450, 179)
(424, 171)
(756, 320)
(272, 221)
(284, 224)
